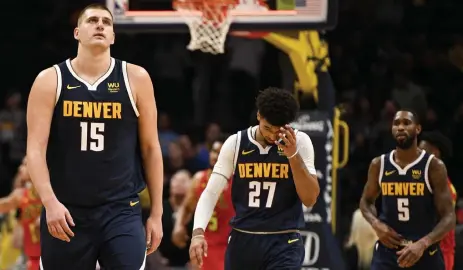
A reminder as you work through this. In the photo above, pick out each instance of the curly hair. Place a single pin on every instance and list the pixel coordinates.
(277, 106)
(440, 141)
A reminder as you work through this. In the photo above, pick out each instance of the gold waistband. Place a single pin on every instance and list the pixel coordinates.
(278, 232)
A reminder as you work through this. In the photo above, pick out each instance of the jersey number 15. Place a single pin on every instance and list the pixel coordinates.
(96, 136)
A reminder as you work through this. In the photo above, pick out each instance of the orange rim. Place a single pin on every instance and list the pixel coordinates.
(249, 34)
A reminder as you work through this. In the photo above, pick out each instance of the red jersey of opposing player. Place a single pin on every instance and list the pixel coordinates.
(31, 208)
(447, 244)
(218, 229)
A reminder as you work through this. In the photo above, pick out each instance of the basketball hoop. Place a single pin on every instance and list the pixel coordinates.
(210, 20)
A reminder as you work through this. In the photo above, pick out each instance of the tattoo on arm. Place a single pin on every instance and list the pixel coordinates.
(371, 191)
(442, 200)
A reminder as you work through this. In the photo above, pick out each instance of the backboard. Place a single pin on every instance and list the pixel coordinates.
(282, 15)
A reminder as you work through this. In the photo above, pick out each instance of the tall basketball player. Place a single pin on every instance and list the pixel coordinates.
(218, 228)
(437, 144)
(272, 169)
(92, 138)
(417, 210)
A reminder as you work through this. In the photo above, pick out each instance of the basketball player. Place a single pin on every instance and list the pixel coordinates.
(273, 173)
(440, 146)
(91, 126)
(218, 228)
(417, 209)
(28, 201)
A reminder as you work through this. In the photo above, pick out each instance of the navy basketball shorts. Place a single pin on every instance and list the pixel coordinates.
(386, 259)
(111, 234)
(264, 251)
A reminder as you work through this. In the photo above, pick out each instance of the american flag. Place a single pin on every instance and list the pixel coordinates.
(311, 7)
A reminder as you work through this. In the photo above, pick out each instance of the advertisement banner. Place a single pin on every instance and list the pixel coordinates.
(322, 251)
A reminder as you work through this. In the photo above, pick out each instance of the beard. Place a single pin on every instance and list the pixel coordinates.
(407, 143)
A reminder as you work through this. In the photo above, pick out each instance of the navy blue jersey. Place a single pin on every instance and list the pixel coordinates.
(407, 200)
(93, 150)
(263, 190)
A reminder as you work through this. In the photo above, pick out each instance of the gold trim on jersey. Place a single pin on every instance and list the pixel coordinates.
(277, 232)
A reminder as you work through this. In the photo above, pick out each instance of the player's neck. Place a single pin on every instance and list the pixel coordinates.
(91, 63)
(407, 155)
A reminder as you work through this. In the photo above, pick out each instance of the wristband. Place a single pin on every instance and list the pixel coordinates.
(197, 236)
(297, 151)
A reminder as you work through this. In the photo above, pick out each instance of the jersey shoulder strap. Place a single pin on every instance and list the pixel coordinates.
(426, 172)
(381, 168)
(239, 138)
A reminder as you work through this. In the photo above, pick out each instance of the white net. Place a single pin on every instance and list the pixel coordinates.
(209, 21)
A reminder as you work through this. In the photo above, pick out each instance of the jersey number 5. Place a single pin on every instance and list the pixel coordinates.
(96, 136)
(403, 209)
(254, 193)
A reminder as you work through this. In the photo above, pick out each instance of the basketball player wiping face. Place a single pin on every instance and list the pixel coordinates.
(417, 210)
(270, 181)
(91, 126)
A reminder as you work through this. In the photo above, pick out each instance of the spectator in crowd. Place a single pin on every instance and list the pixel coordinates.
(174, 257)
(166, 134)
(12, 137)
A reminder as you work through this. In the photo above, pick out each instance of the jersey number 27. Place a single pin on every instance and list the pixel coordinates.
(403, 209)
(96, 136)
(255, 188)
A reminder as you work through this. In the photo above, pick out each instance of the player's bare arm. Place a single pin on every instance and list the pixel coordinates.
(40, 108)
(297, 151)
(41, 103)
(371, 191)
(442, 200)
(142, 85)
(185, 213)
(11, 201)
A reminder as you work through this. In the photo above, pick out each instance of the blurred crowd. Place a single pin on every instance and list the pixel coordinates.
(385, 54)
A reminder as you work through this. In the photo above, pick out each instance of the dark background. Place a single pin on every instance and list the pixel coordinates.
(385, 54)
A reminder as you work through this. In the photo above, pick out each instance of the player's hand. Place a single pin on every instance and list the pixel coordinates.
(180, 236)
(288, 141)
(198, 250)
(410, 254)
(153, 234)
(58, 220)
(387, 235)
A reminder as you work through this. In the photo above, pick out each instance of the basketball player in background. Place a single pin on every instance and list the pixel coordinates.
(218, 228)
(437, 144)
(91, 126)
(272, 169)
(28, 201)
(417, 210)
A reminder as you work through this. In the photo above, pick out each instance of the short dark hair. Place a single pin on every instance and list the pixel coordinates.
(440, 141)
(416, 117)
(277, 106)
(93, 6)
